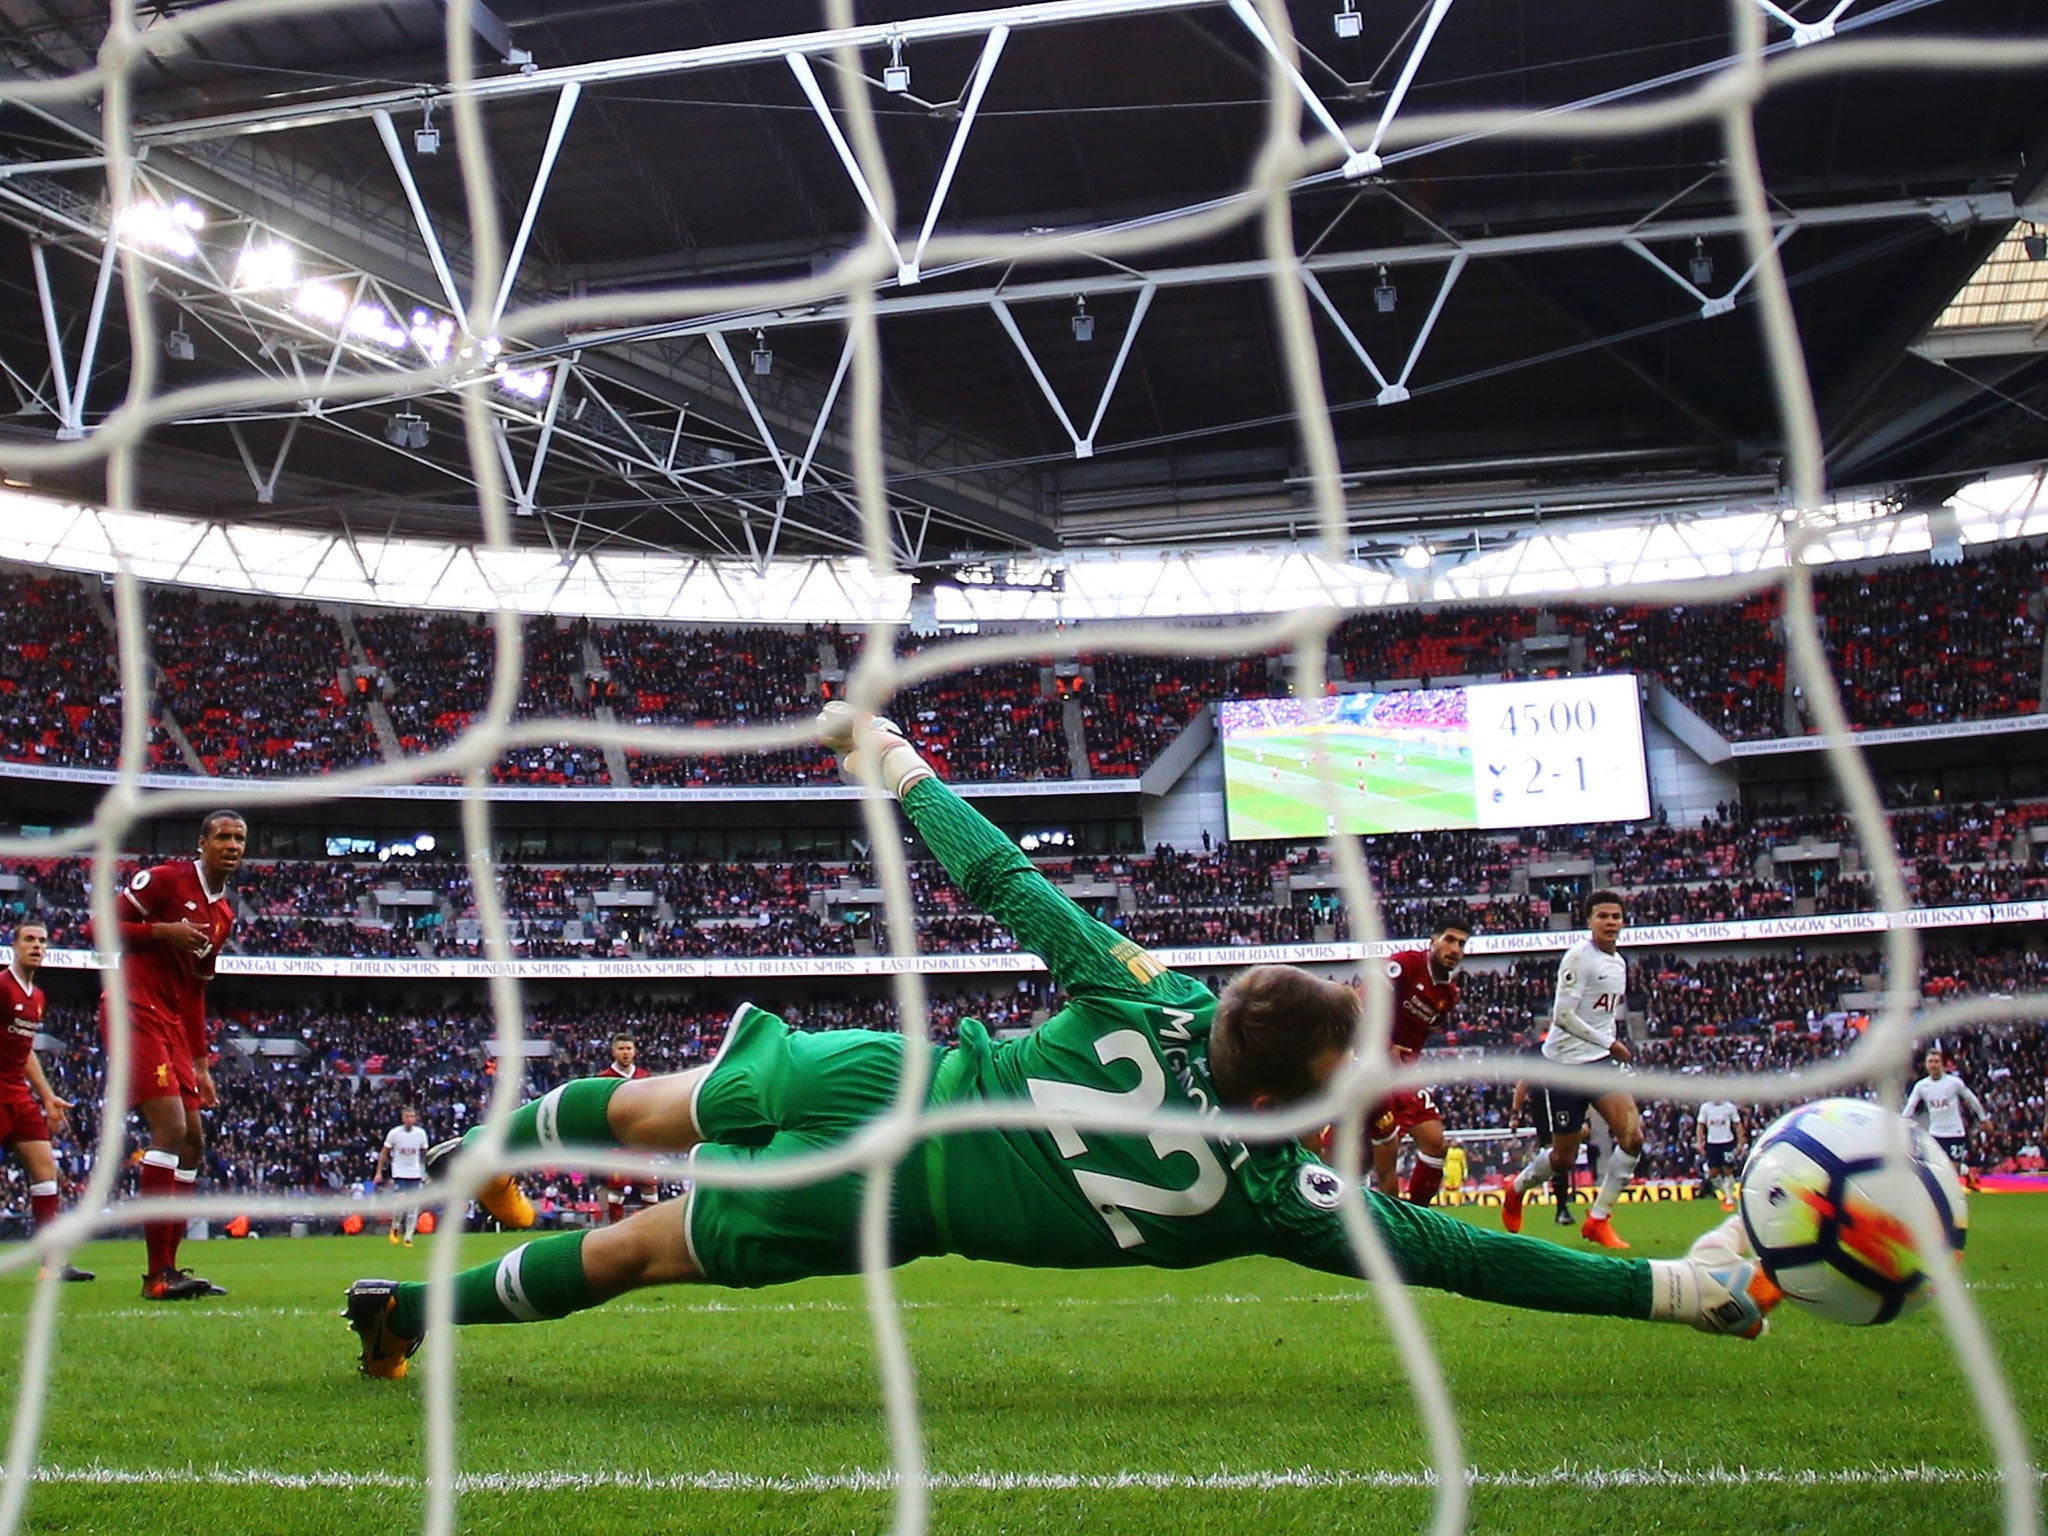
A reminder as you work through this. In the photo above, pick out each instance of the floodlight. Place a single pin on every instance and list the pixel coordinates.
(764, 360)
(1384, 294)
(178, 346)
(426, 139)
(896, 77)
(1702, 263)
(1416, 557)
(1348, 22)
(273, 265)
(1084, 323)
(2036, 243)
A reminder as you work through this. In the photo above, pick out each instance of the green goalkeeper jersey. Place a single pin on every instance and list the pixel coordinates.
(1133, 1038)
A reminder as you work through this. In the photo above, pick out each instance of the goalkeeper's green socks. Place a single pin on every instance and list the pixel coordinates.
(577, 1114)
(535, 1282)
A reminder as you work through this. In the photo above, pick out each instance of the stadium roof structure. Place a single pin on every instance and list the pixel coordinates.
(1511, 331)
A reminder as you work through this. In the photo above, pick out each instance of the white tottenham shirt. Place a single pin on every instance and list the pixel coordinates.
(1720, 1117)
(1592, 987)
(1943, 1098)
(408, 1149)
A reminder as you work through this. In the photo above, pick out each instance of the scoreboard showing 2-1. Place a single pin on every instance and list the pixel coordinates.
(1558, 752)
(1551, 753)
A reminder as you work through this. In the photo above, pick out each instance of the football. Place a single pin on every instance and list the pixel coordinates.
(1829, 1196)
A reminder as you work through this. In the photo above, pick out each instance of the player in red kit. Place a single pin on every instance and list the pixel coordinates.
(29, 1106)
(173, 920)
(625, 1051)
(1424, 995)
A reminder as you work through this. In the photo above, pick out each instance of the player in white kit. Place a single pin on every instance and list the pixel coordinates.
(1585, 1029)
(1722, 1137)
(1944, 1096)
(405, 1150)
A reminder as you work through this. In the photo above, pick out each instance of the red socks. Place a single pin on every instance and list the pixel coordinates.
(42, 1203)
(1425, 1181)
(160, 1181)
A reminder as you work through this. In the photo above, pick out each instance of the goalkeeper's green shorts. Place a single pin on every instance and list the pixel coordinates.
(774, 1092)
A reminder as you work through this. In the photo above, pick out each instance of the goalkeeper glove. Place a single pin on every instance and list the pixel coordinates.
(849, 733)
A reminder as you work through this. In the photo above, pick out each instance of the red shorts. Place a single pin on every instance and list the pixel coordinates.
(22, 1120)
(159, 1063)
(1401, 1112)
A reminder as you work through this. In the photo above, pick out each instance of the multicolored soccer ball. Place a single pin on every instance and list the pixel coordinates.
(1829, 1200)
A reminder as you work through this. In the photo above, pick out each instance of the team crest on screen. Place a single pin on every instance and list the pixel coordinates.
(1320, 1187)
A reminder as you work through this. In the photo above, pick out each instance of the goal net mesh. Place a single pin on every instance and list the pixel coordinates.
(1765, 52)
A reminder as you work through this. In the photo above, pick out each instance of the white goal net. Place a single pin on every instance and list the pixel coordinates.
(1769, 49)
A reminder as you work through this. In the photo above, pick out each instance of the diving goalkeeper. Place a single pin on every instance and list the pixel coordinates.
(1133, 1037)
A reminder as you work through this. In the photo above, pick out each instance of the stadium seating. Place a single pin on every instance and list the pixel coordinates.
(1251, 893)
(261, 687)
(311, 1120)
(245, 715)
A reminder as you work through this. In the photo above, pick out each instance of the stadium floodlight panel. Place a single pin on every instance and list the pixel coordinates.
(1347, 21)
(530, 384)
(172, 228)
(272, 264)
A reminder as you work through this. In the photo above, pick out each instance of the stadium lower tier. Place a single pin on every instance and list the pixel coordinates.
(312, 1079)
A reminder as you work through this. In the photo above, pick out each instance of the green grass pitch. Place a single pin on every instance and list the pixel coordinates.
(250, 1415)
(1272, 790)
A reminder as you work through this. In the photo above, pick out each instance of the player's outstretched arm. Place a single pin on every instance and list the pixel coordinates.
(1716, 1288)
(1082, 954)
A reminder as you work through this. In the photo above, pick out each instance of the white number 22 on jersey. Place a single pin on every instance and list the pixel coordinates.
(1112, 1196)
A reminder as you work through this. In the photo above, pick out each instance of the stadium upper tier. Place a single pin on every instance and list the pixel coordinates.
(257, 688)
(1232, 896)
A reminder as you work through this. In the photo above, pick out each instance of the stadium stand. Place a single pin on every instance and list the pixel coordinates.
(1911, 644)
(245, 714)
(1251, 893)
(309, 1117)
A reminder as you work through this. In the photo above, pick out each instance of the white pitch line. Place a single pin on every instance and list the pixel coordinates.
(1583, 1479)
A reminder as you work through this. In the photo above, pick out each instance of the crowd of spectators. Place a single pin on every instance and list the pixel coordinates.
(435, 672)
(557, 685)
(1726, 660)
(310, 1086)
(989, 722)
(257, 687)
(263, 687)
(1253, 893)
(1135, 706)
(59, 693)
(1925, 644)
(1411, 645)
(660, 675)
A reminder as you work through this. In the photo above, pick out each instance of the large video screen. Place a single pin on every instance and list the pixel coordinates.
(1539, 754)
